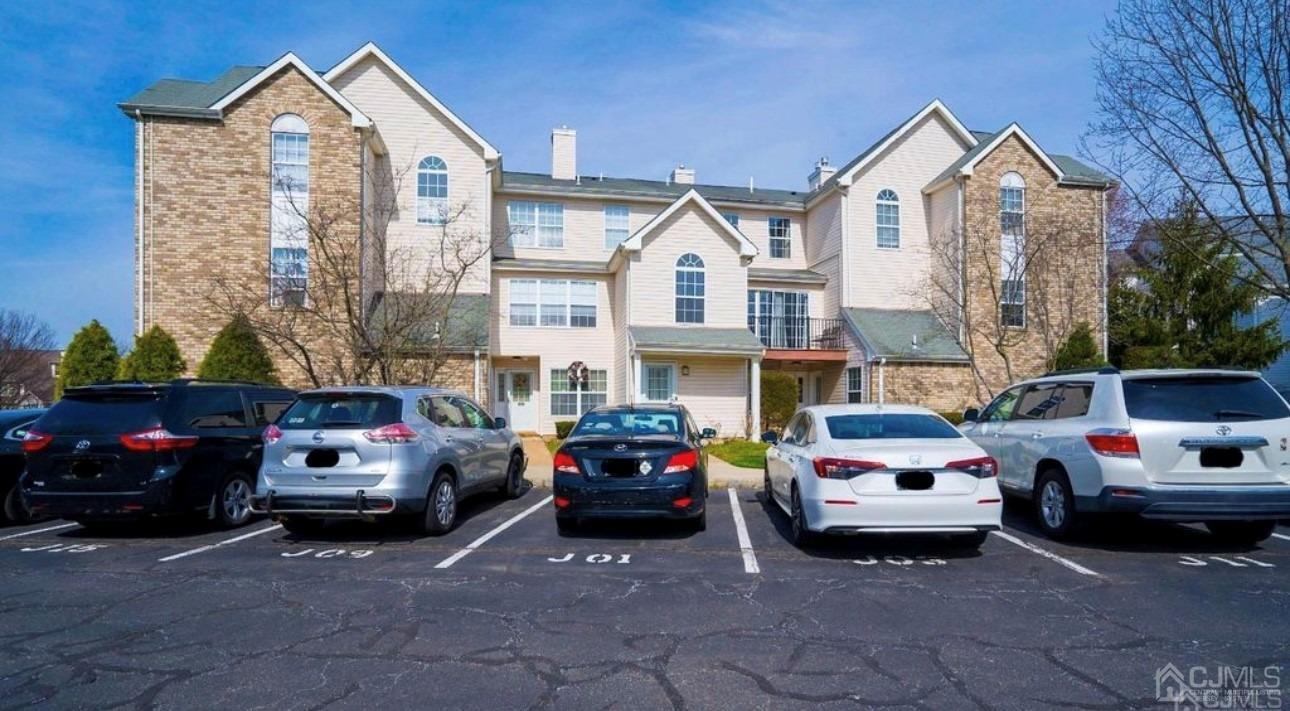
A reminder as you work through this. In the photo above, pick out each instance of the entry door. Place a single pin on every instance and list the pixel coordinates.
(521, 404)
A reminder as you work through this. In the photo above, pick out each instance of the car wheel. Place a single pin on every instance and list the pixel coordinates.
(514, 478)
(302, 525)
(441, 506)
(233, 501)
(1055, 504)
(566, 526)
(1245, 533)
(969, 541)
(801, 530)
(767, 492)
(15, 511)
(700, 523)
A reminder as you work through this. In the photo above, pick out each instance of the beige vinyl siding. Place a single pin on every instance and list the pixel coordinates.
(824, 229)
(653, 272)
(584, 226)
(412, 129)
(715, 391)
(619, 380)
(943, 256)
(896, 278)
(755, 225)
(829, 295)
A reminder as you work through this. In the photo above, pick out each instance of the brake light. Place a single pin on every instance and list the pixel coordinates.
(834, 468)
(564, 463)
(562, 502)
(397, 433)
(272, 434)
(979, 467)
(682, 502)
(1113, 443)
(682, 462)
(157, 439)
(35, 441)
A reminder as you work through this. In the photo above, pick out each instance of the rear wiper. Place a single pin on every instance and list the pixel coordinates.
(1220, 414)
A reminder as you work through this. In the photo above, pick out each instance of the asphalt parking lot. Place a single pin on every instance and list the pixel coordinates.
(505, 613)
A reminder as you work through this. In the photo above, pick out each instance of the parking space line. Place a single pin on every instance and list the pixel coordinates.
(1282, 536)
(1047, 554)
(745, 544)
(447, 562)
(213, 546)
(1259, 563)
(39, 530)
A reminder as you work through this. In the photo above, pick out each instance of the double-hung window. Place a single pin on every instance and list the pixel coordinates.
(536, 224)
(887, 219)
(690, 289)
(780, 240)
(432, 191)
(855, 385)
(553, 303)
(572, 398)
(616, 225)
(1012, 253)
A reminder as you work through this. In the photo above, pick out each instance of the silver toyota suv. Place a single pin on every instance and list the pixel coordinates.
(1175, 445)
(364, 452)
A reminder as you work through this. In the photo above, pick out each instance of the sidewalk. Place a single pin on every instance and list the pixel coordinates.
(721, 474)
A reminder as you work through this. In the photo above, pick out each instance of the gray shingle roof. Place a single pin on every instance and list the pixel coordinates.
(973, 152)
(632, 187)
(553, 265)
(186, 97)
(1073, 171)
(739, 341)
(1077, 172)
(905, 335)
(464, 329)
(801, 276)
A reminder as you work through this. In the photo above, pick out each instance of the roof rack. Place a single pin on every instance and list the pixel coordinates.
(178, 381)
(1100, 370)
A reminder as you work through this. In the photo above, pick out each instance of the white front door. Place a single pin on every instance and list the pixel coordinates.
(516, 400)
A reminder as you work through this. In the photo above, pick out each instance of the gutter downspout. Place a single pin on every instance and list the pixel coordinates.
(138, 219)
(488, 269)
(844, 253)
(1106, 324)
(362, 227)
(962, 266)
(477, 375)
(882, 382)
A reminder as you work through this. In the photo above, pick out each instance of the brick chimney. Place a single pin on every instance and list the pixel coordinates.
(823, 171)
(564, 153)
(682, 175)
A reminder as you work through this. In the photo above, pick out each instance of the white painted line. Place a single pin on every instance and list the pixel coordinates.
(213, 546)
(1282, 536)
(745, 545)
(1232, 563)
(38, 530)
(447, 562)
(1047, 554)
(1259, 563)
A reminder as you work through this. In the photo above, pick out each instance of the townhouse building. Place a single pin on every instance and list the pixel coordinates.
(878, 280)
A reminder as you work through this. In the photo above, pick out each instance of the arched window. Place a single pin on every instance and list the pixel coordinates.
(432, 191)
(289, 207)
(887, 218)
(1012, 252)
(689, 289)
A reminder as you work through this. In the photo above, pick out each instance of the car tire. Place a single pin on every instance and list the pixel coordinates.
(768, 493)
(969, 541)
(699, 523)
(800, 530)
(566, 526)
(302, 525)
(233, 501)
(1055, 504)
(514, 485)
(15, 511)
(441, 506)
(1246, 533)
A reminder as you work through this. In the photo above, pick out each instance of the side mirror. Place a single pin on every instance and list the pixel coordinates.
(971, 414)
(707, 433)
(771, 437)
(499, 423)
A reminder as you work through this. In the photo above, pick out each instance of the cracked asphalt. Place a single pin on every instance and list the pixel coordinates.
(635, 615)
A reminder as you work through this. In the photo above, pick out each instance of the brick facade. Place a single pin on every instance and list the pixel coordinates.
(943, 387)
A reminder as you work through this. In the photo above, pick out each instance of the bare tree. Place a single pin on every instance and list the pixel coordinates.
(347, 303)
(24, 345)
(1193, 97)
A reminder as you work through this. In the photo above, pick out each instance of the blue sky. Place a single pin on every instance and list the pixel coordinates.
(733, 89)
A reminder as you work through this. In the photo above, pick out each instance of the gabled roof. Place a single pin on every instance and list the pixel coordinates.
(371, 50)
(904, 335)
(593, 186)
(357, 118)
(637, 240)
(1067, 170)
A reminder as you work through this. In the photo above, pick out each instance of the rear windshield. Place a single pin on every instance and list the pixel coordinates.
(894, 426)
(629, 423)
(350, 411)
(100, 413)
(1202, 399)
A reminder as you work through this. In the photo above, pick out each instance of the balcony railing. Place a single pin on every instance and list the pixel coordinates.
(798, 333)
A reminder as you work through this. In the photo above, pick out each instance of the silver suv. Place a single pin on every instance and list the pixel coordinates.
(1176, 445)
(364, 452)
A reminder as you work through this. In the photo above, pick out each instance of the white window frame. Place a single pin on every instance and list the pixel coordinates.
(544, 231)
(288, 211)
(1012, 251)
(645, 389)
(615, 231)
(732, 218)
(784, 241)
(783, 329)
(886, 198)
(432, 209)
(701, 298)
(858, 371)
(585, 397)
(567, 303)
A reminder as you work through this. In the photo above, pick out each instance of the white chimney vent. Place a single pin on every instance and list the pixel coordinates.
(564, 153)
(823, 171)
(682, 175)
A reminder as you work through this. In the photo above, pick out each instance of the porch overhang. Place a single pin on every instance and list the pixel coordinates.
(817, 356)
(698, 340)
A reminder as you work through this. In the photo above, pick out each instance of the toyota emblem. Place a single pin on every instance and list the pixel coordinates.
(82, 445)
(318, 437)
(1223, 430)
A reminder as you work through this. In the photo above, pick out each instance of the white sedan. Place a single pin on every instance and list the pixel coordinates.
(851, 469)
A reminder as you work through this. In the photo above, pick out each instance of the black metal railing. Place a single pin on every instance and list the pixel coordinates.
(798, 333)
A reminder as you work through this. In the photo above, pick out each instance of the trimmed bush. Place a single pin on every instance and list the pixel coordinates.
(1079, 350)
(955, 418)
(155, 358)
(90, 357)
(778, 399)
(238, 354)
(564, 427)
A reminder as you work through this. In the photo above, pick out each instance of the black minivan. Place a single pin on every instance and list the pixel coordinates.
(116, 451)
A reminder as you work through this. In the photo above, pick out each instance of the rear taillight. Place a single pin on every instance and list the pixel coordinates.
(834, 468)
(397, 433)
(1113, 443)
(35, 441)
(682, 462)
(157, 439)
(272, 434)
(564, 463)
(979, 467)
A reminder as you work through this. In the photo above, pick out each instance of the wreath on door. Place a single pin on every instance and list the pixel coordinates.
(578, 373)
